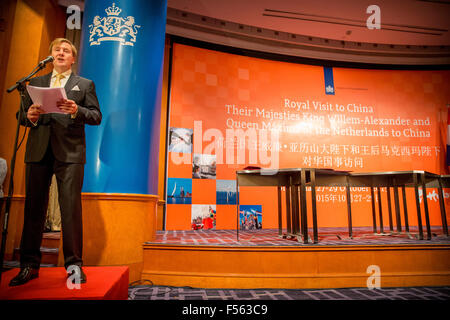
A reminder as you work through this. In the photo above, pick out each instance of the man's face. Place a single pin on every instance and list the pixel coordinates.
(64, 59)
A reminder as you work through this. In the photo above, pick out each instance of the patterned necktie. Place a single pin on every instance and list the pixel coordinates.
(58, 79)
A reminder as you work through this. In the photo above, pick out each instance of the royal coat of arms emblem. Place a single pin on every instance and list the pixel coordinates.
(113, 28)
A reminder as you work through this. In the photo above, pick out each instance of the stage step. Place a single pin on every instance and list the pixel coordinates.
(49, 249)
(295, 267)
(51, 239)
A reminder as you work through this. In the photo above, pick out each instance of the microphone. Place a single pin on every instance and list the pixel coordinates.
(45, 61)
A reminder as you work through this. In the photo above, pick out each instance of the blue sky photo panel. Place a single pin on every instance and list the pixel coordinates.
(226, 192)
(179, 191)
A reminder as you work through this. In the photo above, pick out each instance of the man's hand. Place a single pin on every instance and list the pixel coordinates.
(34, 112)
(67, 106)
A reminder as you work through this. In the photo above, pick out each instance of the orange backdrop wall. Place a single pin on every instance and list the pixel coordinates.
(230, 111)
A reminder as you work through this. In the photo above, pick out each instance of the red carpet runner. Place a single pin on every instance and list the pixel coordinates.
(108, 283)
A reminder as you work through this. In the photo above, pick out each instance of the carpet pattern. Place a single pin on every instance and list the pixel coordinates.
(148, 292)
(327, 236)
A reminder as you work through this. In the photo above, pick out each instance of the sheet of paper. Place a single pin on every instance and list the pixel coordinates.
(47, 97)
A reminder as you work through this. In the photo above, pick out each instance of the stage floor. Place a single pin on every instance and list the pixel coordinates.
(104, 283)
(269, 237)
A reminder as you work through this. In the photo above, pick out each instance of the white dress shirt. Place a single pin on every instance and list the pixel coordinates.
(64, 80)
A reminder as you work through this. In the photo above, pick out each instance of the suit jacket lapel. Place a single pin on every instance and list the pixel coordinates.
(73, 80)
(46, 80)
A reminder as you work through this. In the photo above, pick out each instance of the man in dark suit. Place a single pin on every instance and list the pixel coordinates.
(56, 145)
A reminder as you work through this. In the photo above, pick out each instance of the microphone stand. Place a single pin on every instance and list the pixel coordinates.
(20, 86)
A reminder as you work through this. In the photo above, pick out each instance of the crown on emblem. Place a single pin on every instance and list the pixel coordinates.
(113, 11)
(329, 89)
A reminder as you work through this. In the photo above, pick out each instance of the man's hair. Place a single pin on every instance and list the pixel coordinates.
(58, 41)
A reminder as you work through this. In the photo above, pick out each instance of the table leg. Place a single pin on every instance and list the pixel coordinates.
(280, 218)
(442, 205)
(294, 207)
(405, 208)
(391, 224)
(349, 207)
(425, 205)
(303, 206)
(288, 211)
(374, 218)
(380, 210)
(314, 208)
(397, 209)
(237, 205)
(419, 215)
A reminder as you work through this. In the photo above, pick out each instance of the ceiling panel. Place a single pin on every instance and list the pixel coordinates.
(407, 22)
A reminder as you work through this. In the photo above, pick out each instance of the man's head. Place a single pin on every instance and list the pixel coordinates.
(64, 53)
